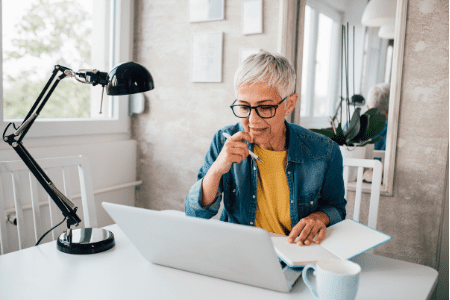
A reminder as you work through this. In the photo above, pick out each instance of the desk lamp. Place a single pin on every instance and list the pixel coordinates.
(124, 79)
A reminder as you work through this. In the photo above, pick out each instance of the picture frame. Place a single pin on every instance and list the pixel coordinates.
(206, 56)
(206, 10)
(252, 17)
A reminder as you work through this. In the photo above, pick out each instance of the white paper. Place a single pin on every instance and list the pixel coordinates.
(206, 10)
(206, 57)
(348, 238)
(252, 17)
(343, 240)
(292, 253)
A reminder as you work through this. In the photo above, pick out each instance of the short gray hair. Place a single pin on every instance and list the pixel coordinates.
(379, 97)
(272, 68)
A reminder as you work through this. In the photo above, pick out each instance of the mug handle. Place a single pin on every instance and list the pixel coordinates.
(305, 279)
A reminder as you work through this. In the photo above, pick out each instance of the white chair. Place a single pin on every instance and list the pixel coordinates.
(375, 187)
(20, 190)
(427, 275)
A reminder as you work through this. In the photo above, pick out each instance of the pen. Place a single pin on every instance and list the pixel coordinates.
(250, 151)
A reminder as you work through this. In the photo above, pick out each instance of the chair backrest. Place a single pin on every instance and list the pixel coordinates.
(20, 189)
(375, 187)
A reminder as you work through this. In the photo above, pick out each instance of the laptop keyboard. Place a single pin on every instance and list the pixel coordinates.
(291, 275)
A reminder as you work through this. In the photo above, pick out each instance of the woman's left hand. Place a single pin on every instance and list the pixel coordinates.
(308, 228)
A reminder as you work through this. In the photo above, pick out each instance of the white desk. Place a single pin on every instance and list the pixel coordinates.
(122, 273)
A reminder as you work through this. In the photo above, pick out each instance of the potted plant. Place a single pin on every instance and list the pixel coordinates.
(358, 138)
(361, 130)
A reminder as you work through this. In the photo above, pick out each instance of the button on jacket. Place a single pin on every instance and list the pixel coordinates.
(314, 173)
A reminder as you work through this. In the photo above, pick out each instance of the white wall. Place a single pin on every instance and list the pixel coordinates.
(181, 116)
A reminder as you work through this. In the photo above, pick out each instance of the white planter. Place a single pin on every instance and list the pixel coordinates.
(365, 152)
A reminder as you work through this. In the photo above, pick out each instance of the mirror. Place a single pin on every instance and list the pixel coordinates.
(366, 60)
(374, 56)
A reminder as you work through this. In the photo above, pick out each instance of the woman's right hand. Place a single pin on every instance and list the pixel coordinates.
(235, 150)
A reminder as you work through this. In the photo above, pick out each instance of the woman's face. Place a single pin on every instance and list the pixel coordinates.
(264, 130)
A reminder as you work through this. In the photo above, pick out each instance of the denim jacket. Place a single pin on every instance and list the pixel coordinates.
(314, 174)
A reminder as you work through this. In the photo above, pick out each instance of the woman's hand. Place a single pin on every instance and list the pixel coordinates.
(235, 150)
(308, 228)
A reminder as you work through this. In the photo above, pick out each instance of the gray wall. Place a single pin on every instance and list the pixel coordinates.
(181, 117)
(413, 216)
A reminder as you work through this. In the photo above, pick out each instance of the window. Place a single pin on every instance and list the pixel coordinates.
(320, 65)
(78, 34)
(389, 57)
(377, 59)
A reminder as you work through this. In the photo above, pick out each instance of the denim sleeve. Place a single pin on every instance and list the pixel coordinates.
(192, 205)
(332, 201)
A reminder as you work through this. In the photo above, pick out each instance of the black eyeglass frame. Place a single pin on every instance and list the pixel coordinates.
(256, 108)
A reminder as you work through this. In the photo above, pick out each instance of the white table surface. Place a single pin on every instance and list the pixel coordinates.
(43, 272)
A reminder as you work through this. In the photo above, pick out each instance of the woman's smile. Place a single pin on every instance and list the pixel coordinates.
(257, 131)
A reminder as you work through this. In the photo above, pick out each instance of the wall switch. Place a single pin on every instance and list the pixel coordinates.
(136, 103)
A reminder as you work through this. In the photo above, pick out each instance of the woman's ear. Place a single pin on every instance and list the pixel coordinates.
(290, 104)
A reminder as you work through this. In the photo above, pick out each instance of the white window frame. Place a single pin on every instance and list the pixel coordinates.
(310, 121)
(122, 41)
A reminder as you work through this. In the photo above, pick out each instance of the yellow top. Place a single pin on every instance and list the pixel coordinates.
(272, 213)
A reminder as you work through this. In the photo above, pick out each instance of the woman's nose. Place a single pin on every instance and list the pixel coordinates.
(253, 116)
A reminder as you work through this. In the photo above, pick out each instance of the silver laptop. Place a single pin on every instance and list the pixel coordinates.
(218, 249)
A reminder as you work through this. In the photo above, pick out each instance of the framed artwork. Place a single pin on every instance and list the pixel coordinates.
(246, 52)
(252, 17)
(206, 56)
(206, 10)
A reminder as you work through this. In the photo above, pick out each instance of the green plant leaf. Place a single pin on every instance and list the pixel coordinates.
(371, 111)
(375, 125)
(369, 142)
(339, 137)
(354, 125)
(362, 129)
(328, 132)
(377, 139)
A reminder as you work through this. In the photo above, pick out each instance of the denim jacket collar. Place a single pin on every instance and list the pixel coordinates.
(295, 154)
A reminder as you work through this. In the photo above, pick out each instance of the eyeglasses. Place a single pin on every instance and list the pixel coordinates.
(264, 111)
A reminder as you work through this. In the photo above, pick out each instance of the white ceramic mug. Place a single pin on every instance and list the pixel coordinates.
(335, 279)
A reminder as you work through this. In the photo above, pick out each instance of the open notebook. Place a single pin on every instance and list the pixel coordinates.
(343, 240)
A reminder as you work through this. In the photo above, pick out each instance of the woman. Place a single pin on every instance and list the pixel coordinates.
(298, 188)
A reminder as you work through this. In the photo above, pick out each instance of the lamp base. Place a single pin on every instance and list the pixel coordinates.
(86, 241)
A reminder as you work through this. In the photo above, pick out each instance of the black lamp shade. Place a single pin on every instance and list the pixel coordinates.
(129, 78)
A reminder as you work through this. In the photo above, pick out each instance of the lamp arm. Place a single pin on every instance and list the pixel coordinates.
(66, 206)
(44, 90)
(32, 114)
(15, 140)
